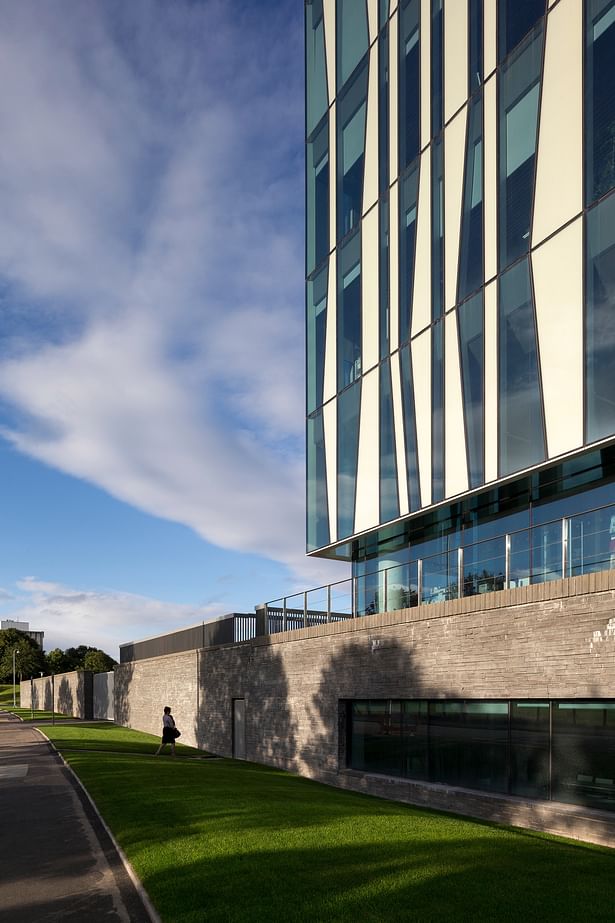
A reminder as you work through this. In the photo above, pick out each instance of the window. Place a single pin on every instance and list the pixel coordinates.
(599, 98)
(316, 334)
(407, 393)
(317, 506)
(437, 229)
(383, 282)
(521, 432)
(383, 112)
(471, 348)
(437, 412)
(315, 67)
(515, 19)
(475, 55)
(519, 95)
(600, 320)
(437, 67)
(349, 312)
(389, 498)
(352, 37)
(407, 249)
(351, 154)
(471, 271)
(584, 753)
(409, 83)
(348, 409)
(318, 199)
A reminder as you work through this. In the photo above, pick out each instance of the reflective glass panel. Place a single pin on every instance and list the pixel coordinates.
(600, 320)
(475, 51)
(352, 37)
(317, 507)
(469, 744)
(546, 552)
(370, 598)
(437, 64)
(471, 252)
(521, 434)
(437, 230)
(383, 111)
(376, 743)
(349, 312)
(407, 249)
(402, 586)
(316, 333)
(318, 199)
(484, 567)
(440, 577)
(591, 542)
(315, 67)
(437, 412)
(409, 83)
(584, 753)
(519, 559)
(348, 409)
(471, 348)
(415, 739)
(407, 392)
(389, 498)
(351, 110)
(529, 749)
(383, 281)
(519, 88)
(515, 19)
(599, 98)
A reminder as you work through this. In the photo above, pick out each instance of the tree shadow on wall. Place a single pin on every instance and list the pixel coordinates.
(255, 673)
(122, 679)
(66, 703)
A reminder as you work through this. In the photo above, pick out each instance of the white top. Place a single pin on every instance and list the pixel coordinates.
(167, 721)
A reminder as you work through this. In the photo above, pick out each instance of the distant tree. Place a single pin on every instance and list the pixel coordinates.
(98, 662)
(56, 661)
(29, 661)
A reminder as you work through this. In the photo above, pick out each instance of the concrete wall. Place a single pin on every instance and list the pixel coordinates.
(554, 640)
(103, 696)
(66, 693)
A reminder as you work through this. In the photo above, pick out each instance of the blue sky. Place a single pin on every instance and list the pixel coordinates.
(151, 295)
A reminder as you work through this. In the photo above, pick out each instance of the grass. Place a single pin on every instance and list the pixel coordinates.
(219, 840)
(40, 714)
(6, 695)
(108, 737)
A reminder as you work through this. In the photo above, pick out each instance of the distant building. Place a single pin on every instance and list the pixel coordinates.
(25, 627)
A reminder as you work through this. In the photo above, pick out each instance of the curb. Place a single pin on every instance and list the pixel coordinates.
(153, 914)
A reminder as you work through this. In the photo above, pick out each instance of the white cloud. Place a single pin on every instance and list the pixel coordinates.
(151, 179)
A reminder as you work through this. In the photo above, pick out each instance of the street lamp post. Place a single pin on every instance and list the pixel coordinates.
(15, 651)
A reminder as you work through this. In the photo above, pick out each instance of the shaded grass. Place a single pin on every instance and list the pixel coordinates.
(230, 841)
(6, 695)
(108, 736)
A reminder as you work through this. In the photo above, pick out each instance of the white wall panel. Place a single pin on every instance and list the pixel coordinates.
(370, 181)
(425, 72)
(393, 96)
(394, 266)
(454, 149)
(559, 169)
(329, 20)
(456, 467)
(400, 443)
(491, 382)
(558, 284)
(455, 56)
(329, 420)
(330, 371)
(332, 176)
(367, 512)
(489, 37)
(490, 173)
(421, 370)
(369, 290)
(421, 297)
(372, 16)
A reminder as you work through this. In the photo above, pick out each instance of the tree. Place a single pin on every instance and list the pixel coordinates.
(98, 662)
(29, 661)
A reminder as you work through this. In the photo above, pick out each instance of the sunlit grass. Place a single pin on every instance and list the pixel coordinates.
(6, 695)
(219, 840)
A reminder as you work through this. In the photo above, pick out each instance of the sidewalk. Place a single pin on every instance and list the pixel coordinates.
(57, 863)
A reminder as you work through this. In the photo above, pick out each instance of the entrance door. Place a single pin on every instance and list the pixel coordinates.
(239, 729)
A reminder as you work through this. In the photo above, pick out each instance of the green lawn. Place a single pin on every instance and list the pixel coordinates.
(40, 714)
(6, 696)
(109, 737)
(218, 840)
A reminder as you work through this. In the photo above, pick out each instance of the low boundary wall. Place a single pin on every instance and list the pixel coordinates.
(66, 694)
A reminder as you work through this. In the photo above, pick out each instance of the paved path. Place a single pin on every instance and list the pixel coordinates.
(57, 863)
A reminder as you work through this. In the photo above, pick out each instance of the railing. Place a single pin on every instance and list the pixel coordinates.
(579, 544)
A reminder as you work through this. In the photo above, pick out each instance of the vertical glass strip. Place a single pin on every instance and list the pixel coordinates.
(316, 334)
(437, 412)
(519, 88)
(437, 230)
(351, 114)
(407, 392)
(352, 37)
(383, 282)
(471, 271)
(317, 506)
(315, 67)
(521, 429)
(349, 312)
(515, 19)
(348, 410)
(317, 232)
(383, 12)
(437, 67)
(389, 496)
(475, 52)
(383, 111)
(408, 202)
(599, 98)
(600, 321)
(471, 348)
(409, 83)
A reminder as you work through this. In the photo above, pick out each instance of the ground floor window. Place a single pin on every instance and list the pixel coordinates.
(552, 750)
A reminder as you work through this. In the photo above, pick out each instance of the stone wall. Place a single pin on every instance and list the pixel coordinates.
(66, 694)
(103, 697)
(555, 640)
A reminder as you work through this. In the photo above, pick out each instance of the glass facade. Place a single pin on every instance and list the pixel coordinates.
(549, 750)
(389, 497)
(349, 329)
(599, 98)
(409, 83)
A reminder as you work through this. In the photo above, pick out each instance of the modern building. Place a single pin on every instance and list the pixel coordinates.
(460, 262)
(37, 636)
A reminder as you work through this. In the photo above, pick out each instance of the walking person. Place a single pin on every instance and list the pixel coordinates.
(169, 731)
